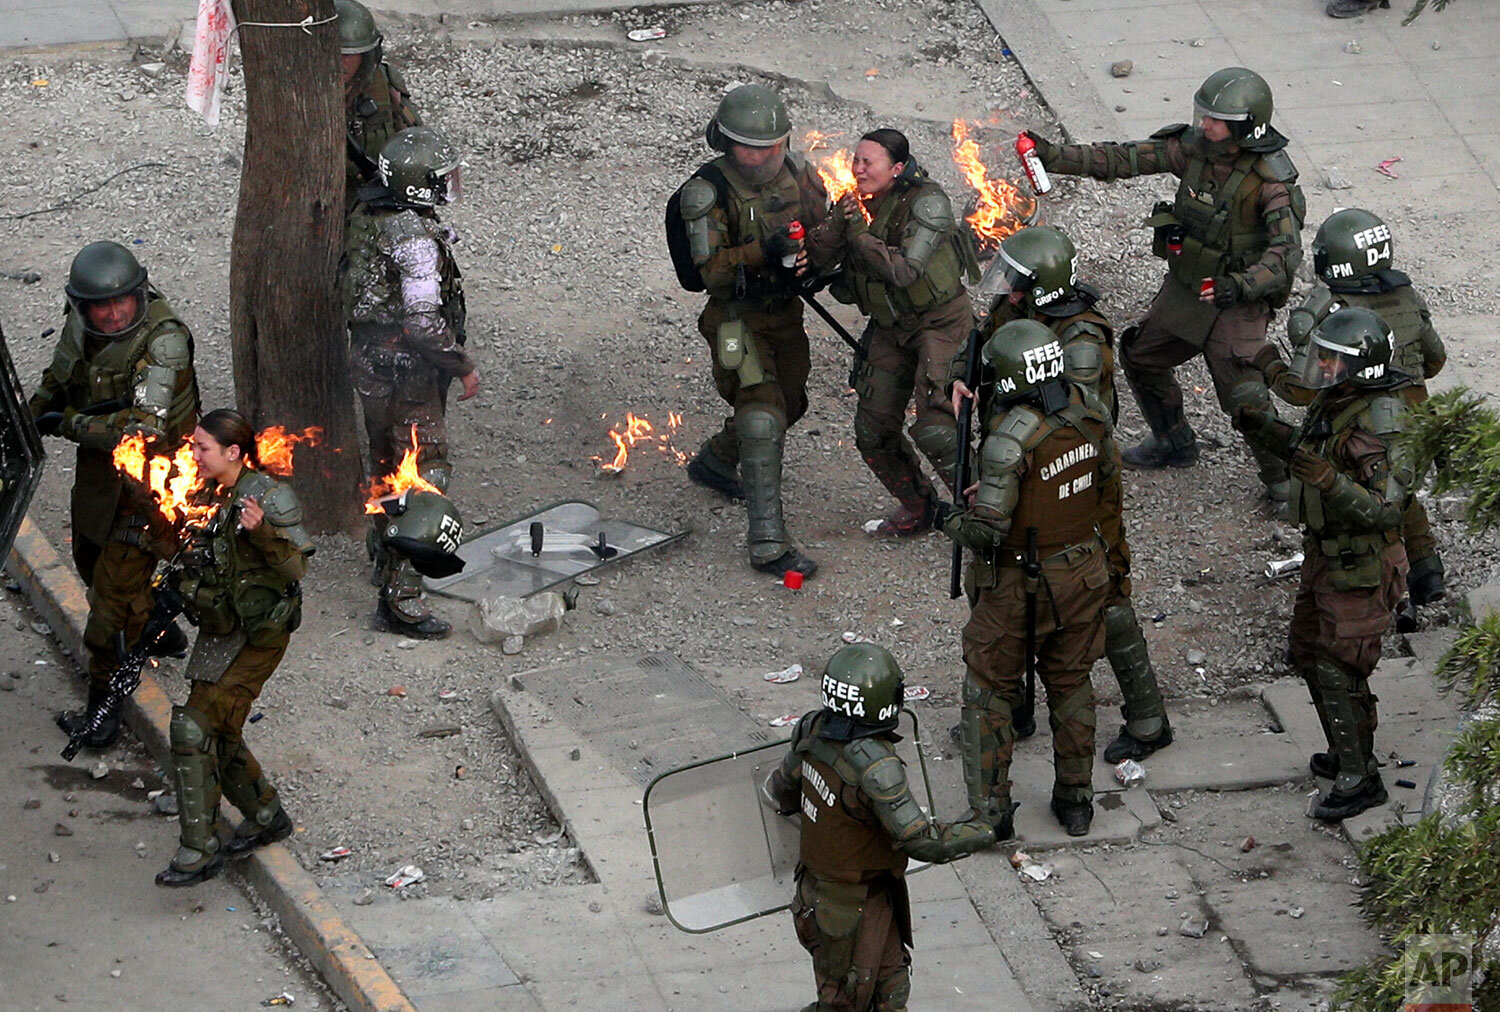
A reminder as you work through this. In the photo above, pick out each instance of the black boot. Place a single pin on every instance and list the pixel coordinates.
(1324, 765)
(1406, 616)
(1353, 8)
(710, 472)
(429, 627)
(1425, 583)
(1128, 746)
(108, 731)
(251, 835)
(172, 642)
(1075, 816)
(172, 877)
(789, 561)
(1178, 448)
(1024, 726)
(1336, 807)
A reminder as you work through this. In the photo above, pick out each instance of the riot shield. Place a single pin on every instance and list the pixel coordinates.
(21, 454)
(721, 855)
(543, 549)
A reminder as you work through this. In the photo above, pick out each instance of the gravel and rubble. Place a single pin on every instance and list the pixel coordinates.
(574, 136)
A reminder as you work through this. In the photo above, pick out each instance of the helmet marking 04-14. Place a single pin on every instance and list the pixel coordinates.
(862, 688)
(1351, 244)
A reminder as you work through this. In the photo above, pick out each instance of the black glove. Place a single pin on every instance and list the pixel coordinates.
(774, 247)
(49, 424)
(1045, 149)
(1226, 292)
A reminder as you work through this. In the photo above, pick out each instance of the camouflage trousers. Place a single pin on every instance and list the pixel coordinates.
(910, 365)
(780, 343)
(1069, 638)
(857, 935)
(119, 595)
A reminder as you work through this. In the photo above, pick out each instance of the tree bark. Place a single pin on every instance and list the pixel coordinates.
(291, 359)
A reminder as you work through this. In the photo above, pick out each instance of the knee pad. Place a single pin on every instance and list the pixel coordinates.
(757, 423)
(871, 438)
(982, 698)
(188, 731)
(938, 443)
(1248, 393)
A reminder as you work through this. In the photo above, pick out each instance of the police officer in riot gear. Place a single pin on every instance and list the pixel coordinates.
(123, 364)
(1353, 254)
(860, 824)
(1034, 276)
(376, 102)
(1351, 481)
(1045, 463)
(737, 210)
(1232, 243)
(403, 300)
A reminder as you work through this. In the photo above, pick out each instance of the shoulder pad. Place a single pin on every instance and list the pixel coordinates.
(863, 753)
(1022, 424)
(1387, 414)
(884, 779)
(171, 347)
(1087, 293)
(804, 731)
(1082, 327)
(401, 227)
(1171, 130)
(1083, 361)
(281, 505)
(1276, 165)
(931, 207)
(395, 78)
(698, 198)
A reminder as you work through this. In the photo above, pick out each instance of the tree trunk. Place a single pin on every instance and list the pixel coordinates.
(291, 360)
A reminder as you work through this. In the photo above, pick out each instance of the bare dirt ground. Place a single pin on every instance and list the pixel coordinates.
(574, 139)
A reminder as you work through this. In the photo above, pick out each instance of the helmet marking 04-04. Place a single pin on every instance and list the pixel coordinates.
(752, 115)
(1351, 244)
(862, 688)
(1352, 345)
(1020, 357)
(419, 168)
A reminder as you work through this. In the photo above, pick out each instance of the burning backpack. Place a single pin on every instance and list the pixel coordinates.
(688, 275)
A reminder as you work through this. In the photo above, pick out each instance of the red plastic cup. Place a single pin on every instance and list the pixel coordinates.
(792, 580)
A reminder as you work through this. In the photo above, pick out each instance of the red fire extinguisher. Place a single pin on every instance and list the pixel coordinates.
(1032, 163)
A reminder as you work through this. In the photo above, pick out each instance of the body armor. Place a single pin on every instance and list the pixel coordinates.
(918, 221)
(750, 213)
(383, 109)
(1418, 353)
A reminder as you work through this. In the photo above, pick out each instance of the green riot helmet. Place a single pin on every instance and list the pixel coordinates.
(1039, 263)
(752, 115)
(1352, 345)
(420, 169)
(104, 272)
(1241, 98)
(424, 527)
(863, 690)
(1351, 244)
(357, 31)
(1020, 360)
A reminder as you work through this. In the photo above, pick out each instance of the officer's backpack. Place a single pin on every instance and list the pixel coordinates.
(688, 275)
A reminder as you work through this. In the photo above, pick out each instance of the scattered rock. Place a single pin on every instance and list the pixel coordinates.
(32, 804)
(652, 905)
(1144, 965)
(1296, 913)
(53, 857)
(1121, 68)
(1352, 47)
(604, 606)
(1335, 179)
(512, 645)
(364, 898)
(1247, 844)
(165, 804)
(1192, 927)
(1196, 657)
(62, 829)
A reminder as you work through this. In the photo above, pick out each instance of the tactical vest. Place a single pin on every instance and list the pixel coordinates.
(842, 838)
(758, 212)
(96, 370)
(940, 283)
(226, 581)
(375, 119)
(1401, 312)
(1062, 490)
(370, 281)
(1354, 554)
(1223, 230)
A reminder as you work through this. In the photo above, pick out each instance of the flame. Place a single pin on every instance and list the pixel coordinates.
(403, 479)
(638, 430)
(1002, 208)
(274, 447)
(836, 169)
(172, 480)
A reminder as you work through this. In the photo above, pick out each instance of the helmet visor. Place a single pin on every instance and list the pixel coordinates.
(1200, 110)
(112, 317)
(1323, 367)
(450, 188)
(1002, 277)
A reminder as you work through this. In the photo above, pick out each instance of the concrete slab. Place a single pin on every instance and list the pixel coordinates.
(60, 25)
(456, 959)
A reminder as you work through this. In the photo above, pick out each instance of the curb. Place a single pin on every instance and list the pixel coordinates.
(312, 923)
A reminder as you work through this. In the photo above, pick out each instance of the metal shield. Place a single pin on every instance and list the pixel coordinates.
(721, 855)
(21, 454)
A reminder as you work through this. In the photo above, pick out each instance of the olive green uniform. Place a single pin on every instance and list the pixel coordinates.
(376, 112)
(403, 300)
(1241, 217)
(753, 326)
(1355, 567)
(1051, 472)
(1089, 361)
(242, 590)
(1418, 354)
(118, 535)
(860, 823)
(905, 271)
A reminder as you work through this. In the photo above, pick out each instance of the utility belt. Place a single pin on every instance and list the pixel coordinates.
(1347, 548)
(1071, 555)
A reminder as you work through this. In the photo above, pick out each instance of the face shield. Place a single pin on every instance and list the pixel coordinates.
(450, 185)
(1001, 278)
(1324, 367)
(113, 317)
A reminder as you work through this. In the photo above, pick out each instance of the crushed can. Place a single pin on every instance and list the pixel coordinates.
(1129, 772)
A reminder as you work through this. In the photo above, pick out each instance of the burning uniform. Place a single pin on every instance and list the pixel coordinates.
(905, 269)
(859, 825)
(375, 97)
(403, 299)
(737, 216)
(242, 589)
(124, 363)
(1350, 485)
(1352, 256)
(1047, 458)
(1034, 277)
(1235, 225)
